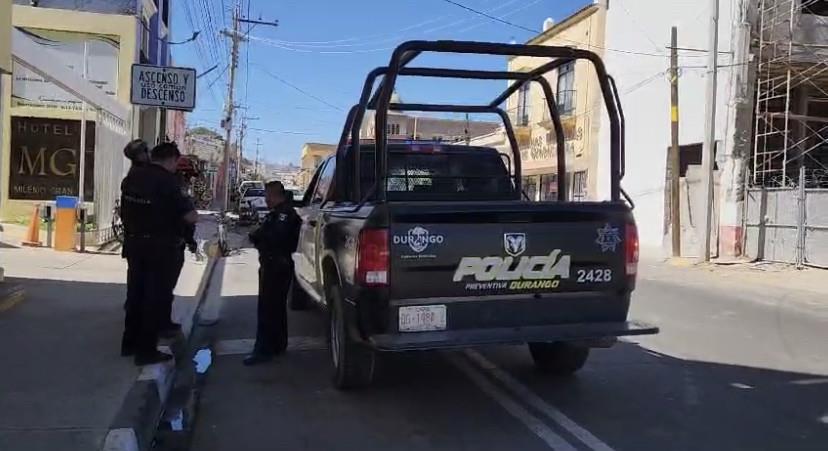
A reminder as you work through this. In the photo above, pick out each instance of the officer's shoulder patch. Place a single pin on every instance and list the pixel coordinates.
(282, 216)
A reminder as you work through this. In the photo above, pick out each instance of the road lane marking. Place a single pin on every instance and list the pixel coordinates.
(533, 423)
(535, 401)
(821, 380)
(243, 346)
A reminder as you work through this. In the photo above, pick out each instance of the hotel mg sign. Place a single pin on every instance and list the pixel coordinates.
(44, 158)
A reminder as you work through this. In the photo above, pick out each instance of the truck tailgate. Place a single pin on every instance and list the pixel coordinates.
(507, 248)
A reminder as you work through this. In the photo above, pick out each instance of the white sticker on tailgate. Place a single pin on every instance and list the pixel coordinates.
(420, 318)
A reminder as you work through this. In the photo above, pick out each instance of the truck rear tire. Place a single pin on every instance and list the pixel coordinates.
(559, 358)
(353, 363)
(298, 300)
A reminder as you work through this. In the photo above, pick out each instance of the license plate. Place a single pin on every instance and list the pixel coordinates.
(422, 318)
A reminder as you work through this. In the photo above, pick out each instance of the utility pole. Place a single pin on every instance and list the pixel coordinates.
(236, 37)
(675, 165)
(709, 149)
(256, 164)
(468, 134)
(240, 147)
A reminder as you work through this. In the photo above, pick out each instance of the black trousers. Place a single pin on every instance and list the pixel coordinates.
(166, 308)
(271, 324)
(148, 287)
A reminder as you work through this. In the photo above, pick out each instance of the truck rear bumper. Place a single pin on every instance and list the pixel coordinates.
(410, 341)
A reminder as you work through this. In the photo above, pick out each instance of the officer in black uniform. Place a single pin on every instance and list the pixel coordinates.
(137, 152)
(276, 239)
(153, 210)
(168, 328)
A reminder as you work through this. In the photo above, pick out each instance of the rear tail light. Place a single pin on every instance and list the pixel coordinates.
(631, 249)
(372, 258)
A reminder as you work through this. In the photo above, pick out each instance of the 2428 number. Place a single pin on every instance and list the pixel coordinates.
(594, 275)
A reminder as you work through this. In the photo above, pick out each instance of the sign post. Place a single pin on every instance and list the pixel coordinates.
(173, 88)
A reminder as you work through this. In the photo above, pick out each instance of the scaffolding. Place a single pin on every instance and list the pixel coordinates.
(791, 128)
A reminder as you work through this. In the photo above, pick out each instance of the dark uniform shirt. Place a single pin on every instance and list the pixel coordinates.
(152, 205)
(276, 239)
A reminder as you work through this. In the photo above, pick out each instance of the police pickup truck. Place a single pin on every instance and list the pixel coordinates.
(414, 245)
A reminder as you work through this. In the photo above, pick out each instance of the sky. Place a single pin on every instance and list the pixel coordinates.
(296, 81)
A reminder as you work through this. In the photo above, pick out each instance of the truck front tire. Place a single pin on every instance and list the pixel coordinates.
(559, 358)
(353, 363)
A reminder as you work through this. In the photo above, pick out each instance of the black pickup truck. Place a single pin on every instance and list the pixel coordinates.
(414, 245)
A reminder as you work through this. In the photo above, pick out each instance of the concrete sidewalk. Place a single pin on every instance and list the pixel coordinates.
(62, 377)
(804, 289)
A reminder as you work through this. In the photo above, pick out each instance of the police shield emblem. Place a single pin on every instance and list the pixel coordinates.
(514, 243)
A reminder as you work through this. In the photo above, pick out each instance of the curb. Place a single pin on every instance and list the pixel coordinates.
(135, 424)
(10, 295)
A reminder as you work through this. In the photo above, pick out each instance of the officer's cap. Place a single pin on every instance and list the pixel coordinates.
(135, 149)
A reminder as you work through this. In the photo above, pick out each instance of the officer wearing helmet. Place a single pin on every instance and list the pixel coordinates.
(153, 210)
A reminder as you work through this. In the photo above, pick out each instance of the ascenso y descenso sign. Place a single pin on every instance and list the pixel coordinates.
(167, 87)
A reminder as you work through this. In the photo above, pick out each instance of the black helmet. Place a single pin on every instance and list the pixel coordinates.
(137, 150)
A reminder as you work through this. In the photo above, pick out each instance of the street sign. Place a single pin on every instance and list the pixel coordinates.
(167, 87)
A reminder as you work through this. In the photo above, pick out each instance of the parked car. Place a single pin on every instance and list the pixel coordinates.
(414, 246)
(247, 184)
(252, 205)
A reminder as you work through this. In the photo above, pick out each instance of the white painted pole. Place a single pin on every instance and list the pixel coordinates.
(708, 152)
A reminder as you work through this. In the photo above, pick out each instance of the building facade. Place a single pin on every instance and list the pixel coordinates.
(108, 36)
(402, 126)
(577, 96)
(769, 129)
(313, 154)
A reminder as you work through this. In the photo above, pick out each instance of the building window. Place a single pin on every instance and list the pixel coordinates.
(145, 39)
(579, 186)
(393, 129)
(566, 88)
(548, 187)
(530, 187)
(815, 7)
(523, 105)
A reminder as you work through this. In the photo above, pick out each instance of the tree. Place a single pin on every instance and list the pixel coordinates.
(204, 131)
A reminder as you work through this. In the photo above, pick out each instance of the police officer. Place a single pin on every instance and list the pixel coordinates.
(167, 327)
(276, 239)
(137, 152)
(153, 209)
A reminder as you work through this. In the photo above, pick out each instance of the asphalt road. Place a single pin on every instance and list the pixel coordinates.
(734, 368)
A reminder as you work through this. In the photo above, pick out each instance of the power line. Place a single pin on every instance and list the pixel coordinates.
(285, 132)
(497, 19)
(398, 35)
(579, 43)
(298, 89)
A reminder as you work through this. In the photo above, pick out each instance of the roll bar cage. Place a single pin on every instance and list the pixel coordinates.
(380, 100)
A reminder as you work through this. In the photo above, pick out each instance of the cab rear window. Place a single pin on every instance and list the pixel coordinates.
(465, 175)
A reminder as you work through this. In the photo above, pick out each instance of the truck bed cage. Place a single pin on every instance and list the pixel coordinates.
(380, 101)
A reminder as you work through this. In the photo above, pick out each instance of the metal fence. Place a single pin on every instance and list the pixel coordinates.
(111, 135)
(788, 225)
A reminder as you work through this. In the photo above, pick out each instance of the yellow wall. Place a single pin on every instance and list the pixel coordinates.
(121, 27)
(5, 35)
(587, 27)
(310, 152)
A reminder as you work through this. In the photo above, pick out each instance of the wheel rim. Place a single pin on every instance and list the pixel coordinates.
(335, 339)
